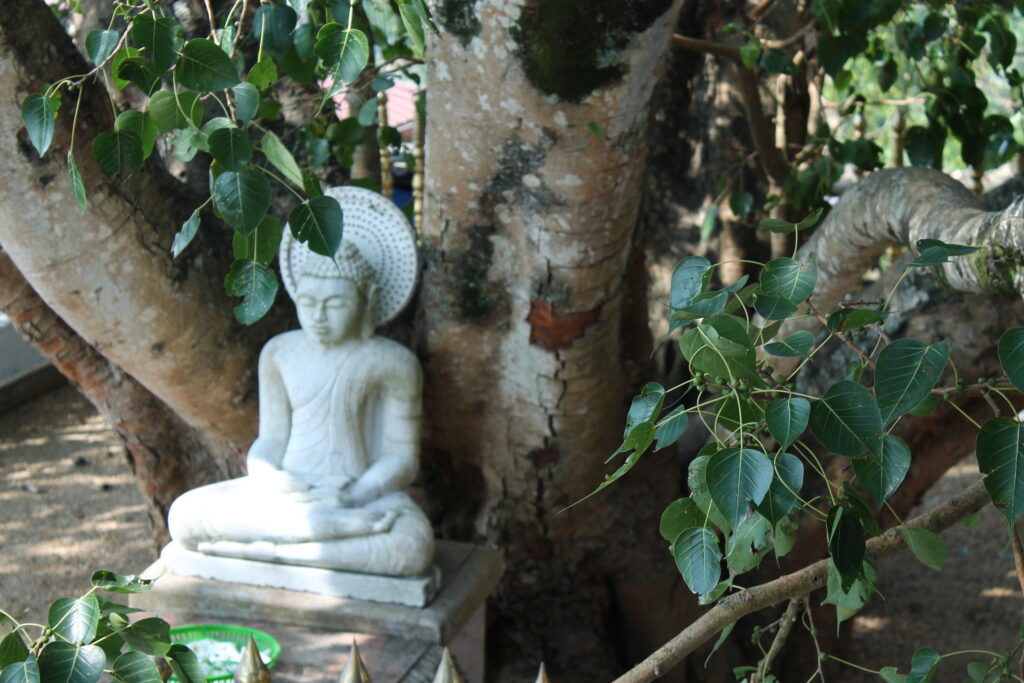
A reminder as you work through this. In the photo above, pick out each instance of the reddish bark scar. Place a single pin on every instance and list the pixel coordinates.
(555, 330)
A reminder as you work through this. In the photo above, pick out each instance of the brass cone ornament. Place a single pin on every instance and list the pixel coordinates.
(355, 671)
(447, 673)
(542, 675)
(251, 669)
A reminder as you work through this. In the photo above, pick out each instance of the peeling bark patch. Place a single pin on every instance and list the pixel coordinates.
(458, 17)
(571, 48)
(554, 330)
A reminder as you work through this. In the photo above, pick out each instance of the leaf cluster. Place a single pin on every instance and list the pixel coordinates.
(746, 486)
(214, 94)
(87, 637)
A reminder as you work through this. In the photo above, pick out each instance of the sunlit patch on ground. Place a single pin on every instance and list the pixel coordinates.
(973, 603)
(68, 503)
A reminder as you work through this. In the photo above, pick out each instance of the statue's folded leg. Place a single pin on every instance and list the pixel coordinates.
(242, 511)
(405, 550)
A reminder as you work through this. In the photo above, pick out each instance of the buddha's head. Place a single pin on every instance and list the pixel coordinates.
(335, 299)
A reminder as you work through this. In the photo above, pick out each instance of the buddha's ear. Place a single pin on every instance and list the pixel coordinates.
(370, 310)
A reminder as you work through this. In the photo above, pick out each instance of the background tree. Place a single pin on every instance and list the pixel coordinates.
(532, 323)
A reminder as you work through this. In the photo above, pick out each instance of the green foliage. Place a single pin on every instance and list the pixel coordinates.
(85, 637)
(746, 486)
(38, 115)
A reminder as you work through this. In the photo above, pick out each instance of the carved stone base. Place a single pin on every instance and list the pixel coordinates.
(413, 591)
(469, 575)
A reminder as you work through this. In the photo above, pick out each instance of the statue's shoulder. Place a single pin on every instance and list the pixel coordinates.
(388, 351)
(389, 356)
(281, 343)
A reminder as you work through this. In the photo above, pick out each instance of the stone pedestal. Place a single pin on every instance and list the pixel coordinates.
(412, 591)
(454, 618)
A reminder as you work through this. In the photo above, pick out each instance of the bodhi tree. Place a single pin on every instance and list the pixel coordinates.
(532, 322)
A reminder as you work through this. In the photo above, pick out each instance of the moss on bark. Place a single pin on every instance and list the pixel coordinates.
(571, 48)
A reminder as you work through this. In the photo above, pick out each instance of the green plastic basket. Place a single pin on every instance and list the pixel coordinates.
(238, 635)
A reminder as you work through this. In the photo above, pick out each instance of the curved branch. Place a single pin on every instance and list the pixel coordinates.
(802, 582)
(901, 206)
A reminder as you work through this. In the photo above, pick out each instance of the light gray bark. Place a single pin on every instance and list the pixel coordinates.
(901, 206)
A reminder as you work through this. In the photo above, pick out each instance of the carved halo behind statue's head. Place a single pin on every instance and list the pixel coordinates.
(378, 254)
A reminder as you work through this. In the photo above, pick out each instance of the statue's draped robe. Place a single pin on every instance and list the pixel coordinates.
(331, 434)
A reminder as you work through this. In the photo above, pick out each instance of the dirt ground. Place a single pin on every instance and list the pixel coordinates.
(69, 505)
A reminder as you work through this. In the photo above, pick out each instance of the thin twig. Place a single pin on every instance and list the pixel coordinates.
(785, 627)
(698, 45)
(987, 395)
(1018, 555)
(813, 630)
(797, 584)
(241, 23)
(213, 22)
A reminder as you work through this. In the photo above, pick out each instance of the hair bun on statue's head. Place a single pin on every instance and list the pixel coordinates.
(348, 264)
(378, 247)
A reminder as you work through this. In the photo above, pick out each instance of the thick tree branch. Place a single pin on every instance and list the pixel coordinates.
(900, 207)
(738, 605)
(108, 272)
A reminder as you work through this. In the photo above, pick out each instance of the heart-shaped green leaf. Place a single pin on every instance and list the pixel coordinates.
(243, 197)
(158, 39)
(318, 221)
(671, 428)
(136, 667)
(736, 478)
(75, 619)
(247, 101)
(698, 559)
(203, 66)
(38, 114)
(928, 547)
(171, 112)
(22, 672)
(343, 51)
(787, 419)
(786, 483)
(882, 473)
(117, 149)
(70, 663)
(1011, 355)
(679, 516)
(845, 535)
(795, 345)
(257, 283)
(789, 280)
(100, 44)
(1000, 450)
(230, 147)
(906, 372)
(847, 421)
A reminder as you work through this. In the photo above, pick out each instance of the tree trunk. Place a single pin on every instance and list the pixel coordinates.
(167, 456)
(108, 273)
(534, 311)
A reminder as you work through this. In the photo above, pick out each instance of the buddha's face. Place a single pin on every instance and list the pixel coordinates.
(330, 310)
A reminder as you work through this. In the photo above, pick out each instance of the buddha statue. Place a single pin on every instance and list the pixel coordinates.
(339, 414)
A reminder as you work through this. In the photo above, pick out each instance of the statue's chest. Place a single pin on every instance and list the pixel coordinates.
(312, 377)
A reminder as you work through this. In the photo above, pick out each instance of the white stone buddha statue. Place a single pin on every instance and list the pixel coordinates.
(338, 439)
